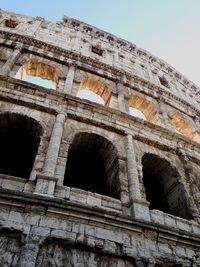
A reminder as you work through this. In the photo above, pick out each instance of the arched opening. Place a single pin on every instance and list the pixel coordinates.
(19, 141)
(184, 126)
(88, 95)
(38, 73)
(92, 165)
(143, 109)
(137, 113)
(95, 90)
(164, 189)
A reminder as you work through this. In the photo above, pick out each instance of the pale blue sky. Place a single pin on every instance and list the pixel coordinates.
(169, 29)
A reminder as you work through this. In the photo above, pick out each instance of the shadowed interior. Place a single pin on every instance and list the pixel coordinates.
(19, 141)
(92, 165)
(163, 186)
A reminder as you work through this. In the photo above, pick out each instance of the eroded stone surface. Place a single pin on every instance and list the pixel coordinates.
(45, 221)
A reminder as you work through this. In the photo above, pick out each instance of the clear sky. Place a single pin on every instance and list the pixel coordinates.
(169, 29)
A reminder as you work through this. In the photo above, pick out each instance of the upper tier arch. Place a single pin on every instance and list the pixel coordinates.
(94, 44)
(41, 70)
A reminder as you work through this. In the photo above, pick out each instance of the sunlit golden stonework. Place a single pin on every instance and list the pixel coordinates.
(100, 150)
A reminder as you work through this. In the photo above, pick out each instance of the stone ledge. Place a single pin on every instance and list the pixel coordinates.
(89, 198)
(66, 208)
(174, 222)
(12, 182)
(45, 185)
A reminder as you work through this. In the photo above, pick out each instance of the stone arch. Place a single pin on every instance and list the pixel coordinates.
(98, 87)
(92, 165)
(19, 141)
(164, 188)
(40, 117)
(184, 126)
(146, 107)
(99, 131)
(40, 70)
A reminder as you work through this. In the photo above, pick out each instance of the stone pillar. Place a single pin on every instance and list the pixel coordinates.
(164, 117)
(54, 145)
(121, 99)
(46, 181)
(69, 80)
(134, 187)
(139, 207)
(11, 60)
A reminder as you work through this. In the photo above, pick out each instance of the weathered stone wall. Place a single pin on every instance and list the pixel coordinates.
(44, 222)
(47, 231)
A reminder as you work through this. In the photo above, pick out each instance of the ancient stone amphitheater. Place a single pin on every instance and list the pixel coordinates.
(108, 184)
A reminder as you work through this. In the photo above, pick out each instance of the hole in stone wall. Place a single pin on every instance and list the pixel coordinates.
(164, 82)
(11, 23)
(97, 50)
(92, 165)
(38, 73)
(19, 141)
(164, 190)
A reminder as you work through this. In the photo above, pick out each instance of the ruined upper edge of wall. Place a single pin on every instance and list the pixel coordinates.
(57, 33)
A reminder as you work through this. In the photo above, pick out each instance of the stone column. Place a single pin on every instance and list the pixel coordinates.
(54, 145)
(69, 80)
(46, 181)
(139, 207)
(164, 117)
(134, 188)
(11, 60)
(121, 99)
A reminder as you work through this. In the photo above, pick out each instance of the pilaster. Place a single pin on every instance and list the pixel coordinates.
(69, 80)
(121, 98)
(164, 116)
(45, 183)
(11, 60)
(139, 206)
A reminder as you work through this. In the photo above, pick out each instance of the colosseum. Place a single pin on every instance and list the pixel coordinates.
(100, 150)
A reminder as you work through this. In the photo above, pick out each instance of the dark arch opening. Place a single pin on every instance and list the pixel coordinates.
(92, 165)
(163, 186)
(19, 141)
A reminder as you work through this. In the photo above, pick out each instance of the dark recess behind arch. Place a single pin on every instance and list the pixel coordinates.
(19, 141)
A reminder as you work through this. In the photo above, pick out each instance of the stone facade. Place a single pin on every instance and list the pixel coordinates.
(140, 205)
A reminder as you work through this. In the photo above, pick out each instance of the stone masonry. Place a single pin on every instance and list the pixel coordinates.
(88, 184)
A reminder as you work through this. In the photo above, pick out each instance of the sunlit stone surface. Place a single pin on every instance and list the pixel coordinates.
(100, 150)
